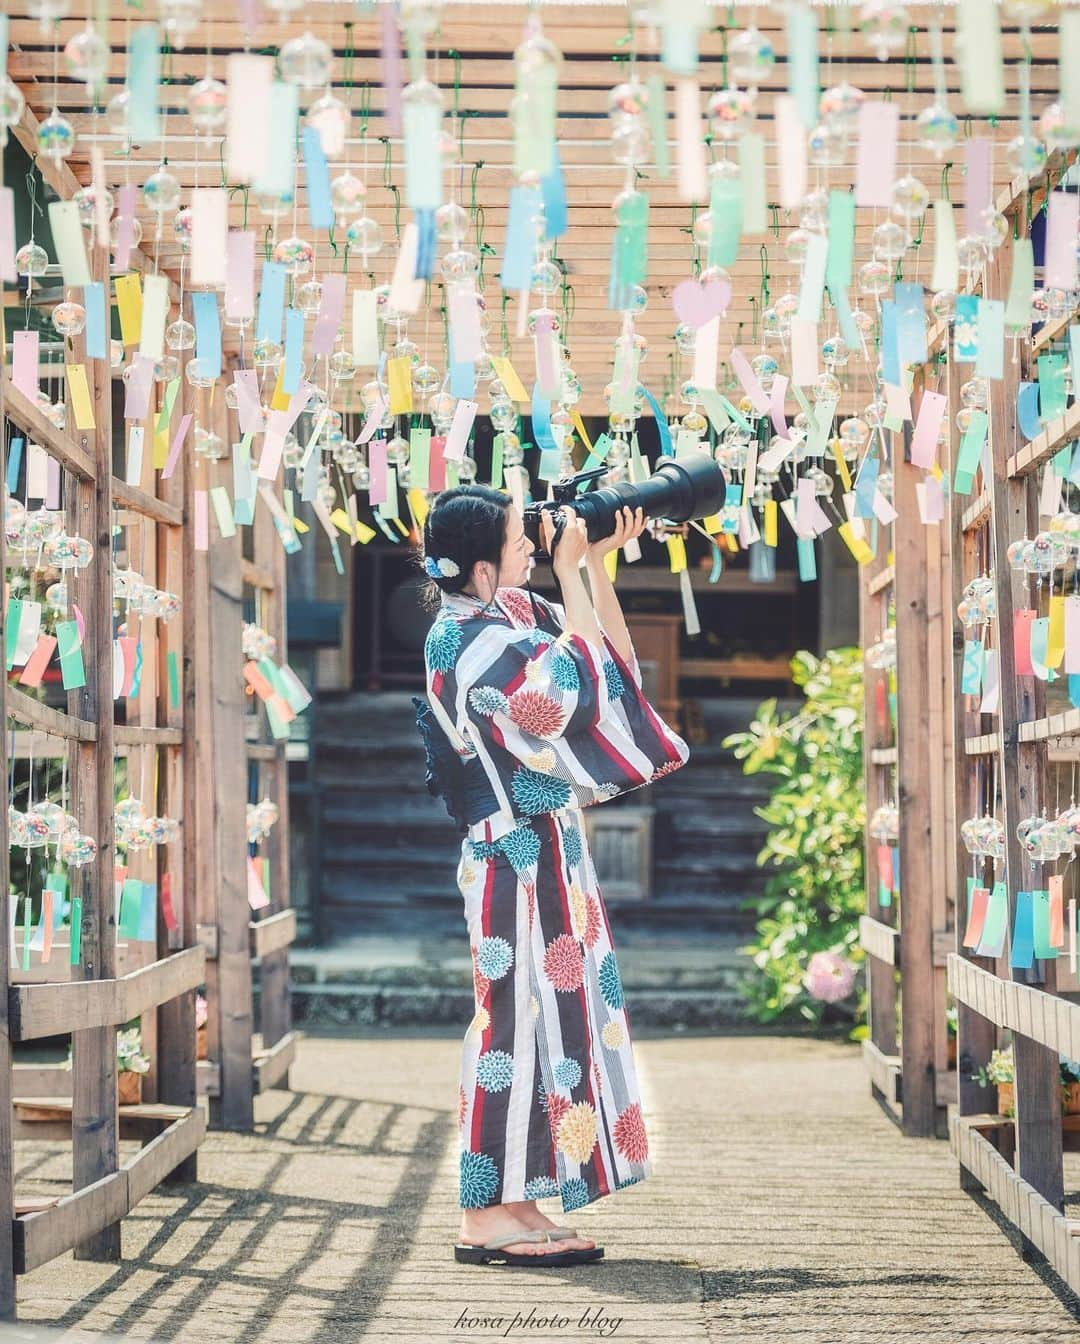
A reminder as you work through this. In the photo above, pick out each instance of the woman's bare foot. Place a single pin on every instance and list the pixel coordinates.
(531, 1216)
(499, 1220)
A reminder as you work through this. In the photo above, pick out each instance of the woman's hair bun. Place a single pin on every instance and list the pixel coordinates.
(466, 524)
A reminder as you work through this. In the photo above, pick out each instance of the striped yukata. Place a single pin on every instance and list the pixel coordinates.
(548, 1100)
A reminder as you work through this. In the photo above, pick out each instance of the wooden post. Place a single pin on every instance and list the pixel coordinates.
(914, 763)
(94, 1124)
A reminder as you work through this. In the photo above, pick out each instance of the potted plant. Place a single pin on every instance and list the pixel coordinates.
(131, 1064)
(950, 1043)
(201, 1013)
(999, 1071)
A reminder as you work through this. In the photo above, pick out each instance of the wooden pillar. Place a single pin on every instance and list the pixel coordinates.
(94, 1125)
(914, 751)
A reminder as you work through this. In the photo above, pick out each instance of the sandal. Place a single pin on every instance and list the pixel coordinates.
(491, 1252)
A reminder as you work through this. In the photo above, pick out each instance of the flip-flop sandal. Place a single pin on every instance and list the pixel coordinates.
(492, 1253)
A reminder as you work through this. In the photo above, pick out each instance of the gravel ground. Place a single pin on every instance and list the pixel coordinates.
(784, 1208)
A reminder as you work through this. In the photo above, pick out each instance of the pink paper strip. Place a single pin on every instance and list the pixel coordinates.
(804, 352)
(202, 520)
(377, 469)
(883, 510)
(137, 388)
(7, 236)
(390, 52)
(240, 275)
(371, 424)
(80, 623)
(545, 357)
(875, 162)
(1062, 223)
(927, 426)
(749, 381)
(177, 444)
(1022, 622)
(897, 402)
(437, 463)
(331, 311)
(804, 507)
(1072, 634)
(248, 404)
(935, 500)
(24, 363)
(127, 652)
(52, 488)
(38, 661)
(777, 397)
(977, 183)
(125, 229)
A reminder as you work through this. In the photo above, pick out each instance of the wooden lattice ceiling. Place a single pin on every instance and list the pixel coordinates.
(471, 58)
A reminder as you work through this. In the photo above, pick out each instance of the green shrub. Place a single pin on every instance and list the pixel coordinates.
(816, 816)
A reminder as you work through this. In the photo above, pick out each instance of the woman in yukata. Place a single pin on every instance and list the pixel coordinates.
(536, 711)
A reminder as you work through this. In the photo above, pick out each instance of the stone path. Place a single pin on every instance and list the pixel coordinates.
(784, 1209)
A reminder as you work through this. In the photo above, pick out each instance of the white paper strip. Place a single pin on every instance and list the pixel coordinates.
(690, 141)
(209, 235)
(155, 313)
(458, 437)
(365, 330)
(706, 353)
(247, 132)
(791, 151)
(406, 291)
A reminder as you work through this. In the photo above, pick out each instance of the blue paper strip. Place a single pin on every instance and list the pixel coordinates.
(144, 83)
(148, 913)
(990, 361)
(204, 307)
(520, 244)
(271, 303)
(661, 423)
(1074, 689)
(136, 671)
(463, 379)
(804, 547)
(966, 329)
(294, 350)
(541, 421)
(910, 323)
(320, 211)
(890, 344)
(553, 190)
(14, 462)
(846, 318)
(866, 483)
(425, 244)
(1027, 410)
(97, 344)
(1022, 953)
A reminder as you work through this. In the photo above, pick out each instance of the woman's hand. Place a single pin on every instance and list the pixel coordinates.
(572, 545)
(629, 523)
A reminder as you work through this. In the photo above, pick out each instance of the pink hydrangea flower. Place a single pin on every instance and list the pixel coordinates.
(829, 977)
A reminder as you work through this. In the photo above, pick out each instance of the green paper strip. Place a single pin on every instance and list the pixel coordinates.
(734, 414)
(76, 930)
(219, 497)
(278, 727)
(534, 124)
(997, 917)
(72, 671)
(838, 269)
(389, 508)
(174, 680)
(1021, 284)
(1040, 912)
(419, 458)
(167, 403)
(1052, 394)
(802, 58)
(967, 460)
(497, 463)
(714, 408)
(755, 212)
(266, 878)
(14, 618)
(131, 897)
(725, 209)
(657, 113)
(630, 254)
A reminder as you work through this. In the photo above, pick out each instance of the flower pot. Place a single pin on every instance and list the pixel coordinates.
(1070, 1098)
(129, 1087)
(1006, 1099)
(200, 1041)
(950, 1051)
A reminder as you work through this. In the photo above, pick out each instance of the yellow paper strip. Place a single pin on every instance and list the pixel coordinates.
(611, 564)
(713, 524)
(841, 465)
(399, 377)
(129, 306)
(280, 400)
(300, 526)
(732, 542)
(677, 553)
(1055, 635)
(419, 505)
(856, 545)
(771, 514)
(340, 519)
(507, 375)
(80, 397)
(583, 434)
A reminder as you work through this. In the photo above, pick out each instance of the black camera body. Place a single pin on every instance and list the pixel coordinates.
(676, 491)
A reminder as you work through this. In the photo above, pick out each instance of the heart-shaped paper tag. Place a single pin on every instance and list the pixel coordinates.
(695, 303)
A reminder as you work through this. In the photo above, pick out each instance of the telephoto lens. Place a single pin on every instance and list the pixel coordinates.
(679, 491)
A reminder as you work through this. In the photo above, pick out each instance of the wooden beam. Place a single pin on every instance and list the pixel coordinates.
(19, 408)
(273, 933)
(26, 709)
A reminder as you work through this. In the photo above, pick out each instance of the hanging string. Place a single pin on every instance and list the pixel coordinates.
(765, 291)
(389, 185)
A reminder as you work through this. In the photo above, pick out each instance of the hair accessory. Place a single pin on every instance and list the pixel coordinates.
(443, 568)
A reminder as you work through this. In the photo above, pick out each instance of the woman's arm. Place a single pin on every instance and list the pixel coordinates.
(580, 615)
(604, 598)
